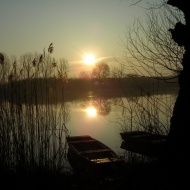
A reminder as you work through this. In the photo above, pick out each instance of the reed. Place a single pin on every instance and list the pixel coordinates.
(32, 123)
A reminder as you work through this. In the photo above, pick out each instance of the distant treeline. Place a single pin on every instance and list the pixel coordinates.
(57, 89)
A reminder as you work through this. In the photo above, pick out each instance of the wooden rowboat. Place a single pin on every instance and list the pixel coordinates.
(88, 155)
(143, 143)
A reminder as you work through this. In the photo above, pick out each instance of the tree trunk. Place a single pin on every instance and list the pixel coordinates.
(176, 149)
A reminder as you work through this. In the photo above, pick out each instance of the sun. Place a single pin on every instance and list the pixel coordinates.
(89, 59)
(91, 111)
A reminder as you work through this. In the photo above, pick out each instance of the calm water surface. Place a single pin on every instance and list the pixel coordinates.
(99, 127)
(99, 118)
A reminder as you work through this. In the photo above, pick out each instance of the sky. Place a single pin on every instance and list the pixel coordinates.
(75, 27)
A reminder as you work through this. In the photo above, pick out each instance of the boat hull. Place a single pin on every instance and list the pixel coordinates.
(87, 155)
(143, 143)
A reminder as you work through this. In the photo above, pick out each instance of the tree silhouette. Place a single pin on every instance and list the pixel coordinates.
(172, 53)
(178, 137)
(101, 70)
(150, 49)
(167, 46)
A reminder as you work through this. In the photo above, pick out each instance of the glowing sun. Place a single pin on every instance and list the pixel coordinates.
(89, 59)
(91, 111)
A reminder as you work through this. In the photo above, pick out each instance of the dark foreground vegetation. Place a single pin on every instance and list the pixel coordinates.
(132, 176)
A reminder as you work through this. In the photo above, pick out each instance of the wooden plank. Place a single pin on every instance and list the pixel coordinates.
(95, 151)
(81, 141)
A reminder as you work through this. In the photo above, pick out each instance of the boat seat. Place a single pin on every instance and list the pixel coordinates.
(81, 141)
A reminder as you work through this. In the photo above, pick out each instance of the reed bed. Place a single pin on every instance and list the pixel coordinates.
(32, 123)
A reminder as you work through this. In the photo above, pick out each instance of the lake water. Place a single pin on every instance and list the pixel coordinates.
(104, 119)
(37, 131)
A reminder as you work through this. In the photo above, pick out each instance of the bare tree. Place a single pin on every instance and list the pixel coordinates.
(149, 47)
(161, 51)
(5, 67)
(101, 70)
(150, 51)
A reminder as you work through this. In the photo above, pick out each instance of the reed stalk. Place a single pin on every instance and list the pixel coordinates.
(32, 122)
